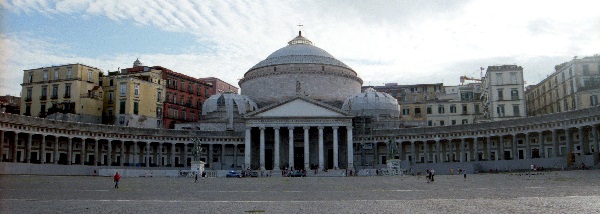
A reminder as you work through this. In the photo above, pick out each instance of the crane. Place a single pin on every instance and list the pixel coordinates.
(463, 78)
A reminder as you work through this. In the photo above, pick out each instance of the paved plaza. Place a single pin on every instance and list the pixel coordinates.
(557, 192)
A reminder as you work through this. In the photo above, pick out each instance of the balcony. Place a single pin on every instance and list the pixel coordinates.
(43, 97)
(54, 97)
(67, 96)
(28, 99)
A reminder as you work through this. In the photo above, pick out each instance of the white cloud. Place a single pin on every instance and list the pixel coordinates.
(405, 42)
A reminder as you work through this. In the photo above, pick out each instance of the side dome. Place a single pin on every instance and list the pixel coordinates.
(228, 104)
(373, 104)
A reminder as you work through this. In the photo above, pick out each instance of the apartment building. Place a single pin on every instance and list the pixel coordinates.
(503, 93)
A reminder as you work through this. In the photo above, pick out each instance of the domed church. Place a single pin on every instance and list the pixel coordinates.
(295, 110)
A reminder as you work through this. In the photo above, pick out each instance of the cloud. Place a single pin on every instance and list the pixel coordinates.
(405, 42)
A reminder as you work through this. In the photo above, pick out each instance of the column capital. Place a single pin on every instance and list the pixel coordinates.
(290, 127)
(306, 127)
(276, 127)
(262, 127)
(320, 127)
(349, 127)
(335, 127)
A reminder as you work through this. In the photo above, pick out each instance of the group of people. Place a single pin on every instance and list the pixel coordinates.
(430, 175)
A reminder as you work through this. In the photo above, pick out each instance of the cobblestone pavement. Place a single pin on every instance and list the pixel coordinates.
(555, 192)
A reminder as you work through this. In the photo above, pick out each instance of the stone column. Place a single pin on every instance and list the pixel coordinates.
(185, 153)
(569, 142)
(159, 162)
(83, 153)
(276, 148)
(95, 151)
(350, 148)
(262, 148)
(42, 150)
(210, 156)
(28, 149)
(336, 147)
(595, 139)
(514, 147)
(527, 146)
(412, 153)
(461, 150)
(172, 159)
(476, 149)
(247, 149)
(554, 144)
(136, 155)
(14, 148)
(148, 154)
(488, 142)
(541, 147)
(438, 151)
(306, 149)
(584, 146)
(70, 151)
(109, 153)
(291, 147)
(425, 151)
(321, 152)
(56, 155)
(2, 145)
(122, 153)
(451, 148)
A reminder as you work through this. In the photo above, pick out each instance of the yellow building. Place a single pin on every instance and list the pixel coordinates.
(66, 92)
(134, 99)
(573, 85)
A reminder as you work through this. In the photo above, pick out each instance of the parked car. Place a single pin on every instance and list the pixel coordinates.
(254, 174)
(297, 174)
(233, 174)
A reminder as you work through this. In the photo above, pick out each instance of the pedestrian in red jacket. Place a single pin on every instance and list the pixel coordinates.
(117, 178)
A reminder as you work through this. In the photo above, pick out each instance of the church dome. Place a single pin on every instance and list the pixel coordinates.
(300, 50)
(137, 63)
(372, 103)
(227, 104)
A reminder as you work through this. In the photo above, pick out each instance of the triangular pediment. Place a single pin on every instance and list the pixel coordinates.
(299, 108)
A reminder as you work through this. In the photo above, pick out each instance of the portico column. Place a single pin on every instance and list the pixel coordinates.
(42, 150)
(412, 153)
(291, 147)
(488, 142)
(185, 147)
(14, 148)
(148, 154)
(595, 139)
(276, 147)
(56, 155)
(321, 158)
(569, 142)
(28, 149)
(514, 147)
(554, 144)
(527, 146)
(425, 151)
(476, 149)
(109, 153)
(159, 162)
(247, 149)
(306, 149)
(83, 153)
(210, 156)
(95, 151)
(438, 151)
(172, 159)
(350, 148)
(541, 147)
(461, 150)
(136, 157)
(584, 146)
(122, 149)
(262, 147)
(335, 147)
(70, 151)
(450, 144)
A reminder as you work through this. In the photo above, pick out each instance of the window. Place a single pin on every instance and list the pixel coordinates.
(441, 109)
(67, 90)
(453, 122)
(69, 72)
(121, 120)
(90, 77)
(43, 110)
(441, 123)
(182, 86)
(594, 100)
(44, 92)
(500, 110)
(464, 109)
(429, 123)
(405, 111)
(123, 89)
(500, 95)
(453, 109)
(586, 70)
(499, 79)
(476, 109)
(573, 104)
(54, 91)
(513, 77)
(159, 95)
(46, 75)
(516, 111)
(566, 104)
(110, 97)
(159, 112)
(136, 90)
(56, 74)
(558, 107)
(418, 111)
(514, 94)
(135, 107)
(465, 121)
(29, 93)
(429, 110)
(122, 107)
(28, 110)
(30, 78)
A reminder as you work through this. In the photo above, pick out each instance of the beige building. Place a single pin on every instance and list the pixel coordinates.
(458, 105)
(503, 93)
(66, 92)
(573, 85)
(135, 99)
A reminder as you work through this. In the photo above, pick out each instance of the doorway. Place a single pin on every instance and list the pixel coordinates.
(62, 158)
(506, 155)
(298, 157)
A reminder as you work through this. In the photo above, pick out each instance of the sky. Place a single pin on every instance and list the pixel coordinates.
(404, 42)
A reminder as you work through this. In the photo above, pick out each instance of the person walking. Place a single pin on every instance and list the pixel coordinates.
(196, 179)
(117, 178)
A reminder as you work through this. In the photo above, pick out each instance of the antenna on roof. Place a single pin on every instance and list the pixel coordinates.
(299, 29)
